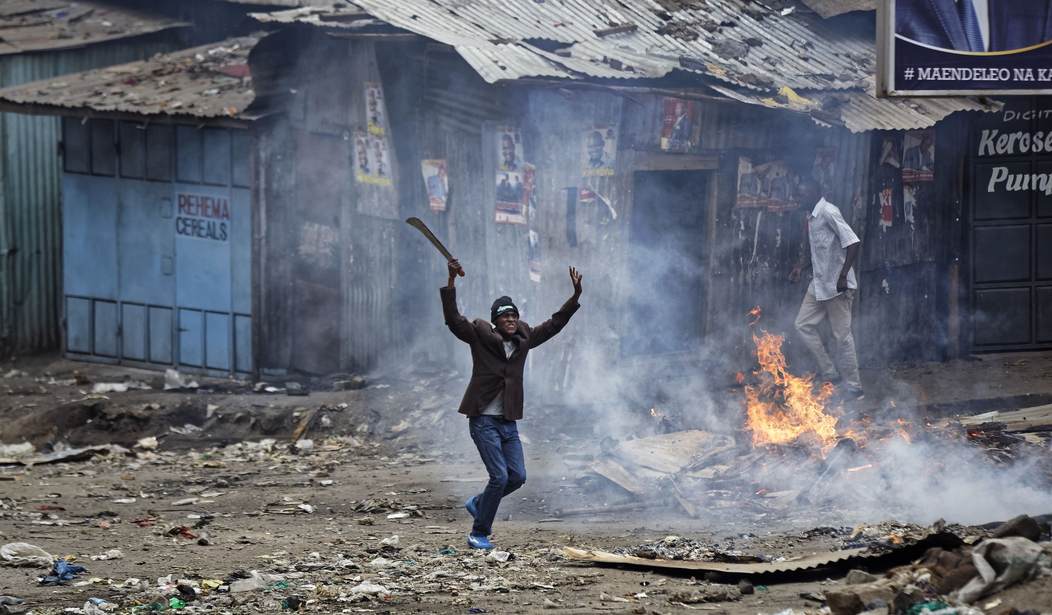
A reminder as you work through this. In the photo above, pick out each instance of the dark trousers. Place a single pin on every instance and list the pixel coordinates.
(501, 451)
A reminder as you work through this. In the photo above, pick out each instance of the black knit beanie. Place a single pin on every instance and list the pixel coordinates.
(501, 305)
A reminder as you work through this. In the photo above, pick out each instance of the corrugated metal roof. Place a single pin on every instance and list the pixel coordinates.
(44, 25)
(756, 49)
(744, 43)
(204, 82)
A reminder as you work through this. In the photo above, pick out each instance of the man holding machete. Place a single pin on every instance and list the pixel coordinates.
(493, 400)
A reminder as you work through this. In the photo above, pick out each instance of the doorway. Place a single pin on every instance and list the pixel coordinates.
(666, 295)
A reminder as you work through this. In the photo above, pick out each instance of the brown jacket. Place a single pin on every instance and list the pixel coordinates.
(491, 371)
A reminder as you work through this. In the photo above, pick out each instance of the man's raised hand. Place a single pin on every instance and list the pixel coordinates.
(454, 270)
(575, 278)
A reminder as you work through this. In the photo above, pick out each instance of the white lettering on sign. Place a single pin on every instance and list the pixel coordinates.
(993, 142)
(202, 216)
(1018, 182)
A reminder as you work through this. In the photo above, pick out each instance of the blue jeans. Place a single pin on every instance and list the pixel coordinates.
(501, 451)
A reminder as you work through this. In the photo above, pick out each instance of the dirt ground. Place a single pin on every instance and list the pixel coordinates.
(226, 493)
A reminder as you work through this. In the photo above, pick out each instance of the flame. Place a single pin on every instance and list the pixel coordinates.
(784, 407)
(739, 378)
(755, 313)
(654, 412)
(905, 435)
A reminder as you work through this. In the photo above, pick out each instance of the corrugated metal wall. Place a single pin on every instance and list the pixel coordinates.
(30, 202)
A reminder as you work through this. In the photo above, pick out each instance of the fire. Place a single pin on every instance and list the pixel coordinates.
(755, 313)
(739, 378)
(784, 407)
(654, 412)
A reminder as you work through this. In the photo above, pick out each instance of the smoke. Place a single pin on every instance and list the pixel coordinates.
(662, 326)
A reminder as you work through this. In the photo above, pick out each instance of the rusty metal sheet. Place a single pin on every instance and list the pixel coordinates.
(860, 111)
(211, 81)
(44, 25)
(805, 563)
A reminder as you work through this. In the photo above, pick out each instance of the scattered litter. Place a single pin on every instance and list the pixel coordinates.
(148, 443)
(10, 605)
(62, 571)
(1001, 563)
(111, 554)
(175, 381)
(370, 588)
(391, 541)
(25, 554)
(498, 556)
(119, 387)
(15, 451)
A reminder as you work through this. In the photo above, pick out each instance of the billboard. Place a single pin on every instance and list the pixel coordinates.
(964, 47)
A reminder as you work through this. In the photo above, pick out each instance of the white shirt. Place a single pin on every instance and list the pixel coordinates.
(496, 407)
(829, 236)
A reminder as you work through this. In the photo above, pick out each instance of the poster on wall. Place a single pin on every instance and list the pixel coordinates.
(771, 185)
(918, 157)
(371, 162)
(514, 190)
(436, 180)
(599, 151)
(963, 47)
(509, 149)
(375, 110)
(677, 124)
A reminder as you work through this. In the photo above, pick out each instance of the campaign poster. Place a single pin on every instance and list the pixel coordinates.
(599, 151)
(436, 180)
(677, 124)
(509, 149)
(918, 156)
(372, 163)
(771, 185)
(962, 47)
(514, 190)
(375, 110)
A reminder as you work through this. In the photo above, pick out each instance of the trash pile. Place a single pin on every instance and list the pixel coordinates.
(959, 578)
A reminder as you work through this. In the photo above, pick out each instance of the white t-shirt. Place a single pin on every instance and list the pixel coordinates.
(496, 407)
(829, 235)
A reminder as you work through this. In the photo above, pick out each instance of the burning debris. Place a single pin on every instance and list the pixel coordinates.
(796, 453)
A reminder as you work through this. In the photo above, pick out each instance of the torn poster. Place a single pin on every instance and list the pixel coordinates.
(514, 189)
(371, 162)
(319, 245)
(534, 256)
(587, 196)
(918, 161)
(599, 151)
(909, 203)
(437, 182)
(375, 110)
(677, 125)
(887, 208)
(770, 185)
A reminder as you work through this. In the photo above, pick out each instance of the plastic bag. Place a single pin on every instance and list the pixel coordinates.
(25, 554)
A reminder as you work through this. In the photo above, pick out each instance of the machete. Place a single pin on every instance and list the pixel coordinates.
(419, 225)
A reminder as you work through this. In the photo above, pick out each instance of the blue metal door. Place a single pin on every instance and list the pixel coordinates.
(147, 271)
(89, 264)
(203, 263)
